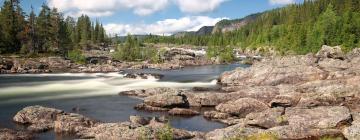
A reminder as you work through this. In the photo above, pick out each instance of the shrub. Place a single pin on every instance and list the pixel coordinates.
(165, 133)
(76, 56)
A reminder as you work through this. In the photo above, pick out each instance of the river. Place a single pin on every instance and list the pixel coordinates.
(96, 94)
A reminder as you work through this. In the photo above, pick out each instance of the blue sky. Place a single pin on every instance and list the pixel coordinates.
(157, 16)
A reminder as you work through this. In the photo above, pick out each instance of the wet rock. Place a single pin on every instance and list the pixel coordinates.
(150, 108)
(139, 120)
(324, 117)
(149, 92)
(267, 119)
(72, 123)
(215, 115)
(143, 76)
(242, 107)
(206, 99)
(238, 130)
(167, 100)
(8, 134)
(183, 112)
(40, 118)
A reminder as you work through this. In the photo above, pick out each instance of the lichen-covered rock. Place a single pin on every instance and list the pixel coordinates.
(139, 120)
(39, 118)
(72, 123)
(330, 52)
(276, 71)
(8, 134)
(216, 115)
(352, 132)
(166, 100)
(296, 132)
(183, 112)
(324, 117)
(238, 130)
(145, 107)
(242, 107)
(267, 119)
(149, 92)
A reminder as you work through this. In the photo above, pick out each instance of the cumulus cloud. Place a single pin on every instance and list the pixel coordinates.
(107, 7)
(281, 2)
(198, 6)
(163, 27)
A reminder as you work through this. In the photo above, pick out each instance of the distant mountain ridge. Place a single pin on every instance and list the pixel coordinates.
(222, 26)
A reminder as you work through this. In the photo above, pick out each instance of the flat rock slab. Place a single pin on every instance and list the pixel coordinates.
(242, 107)
(183, 112)
(319, 117)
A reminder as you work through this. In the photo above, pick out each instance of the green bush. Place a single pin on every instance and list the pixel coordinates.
(76, 56)
(165, 133)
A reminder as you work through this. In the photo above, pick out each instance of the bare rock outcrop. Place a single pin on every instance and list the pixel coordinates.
(242, 107)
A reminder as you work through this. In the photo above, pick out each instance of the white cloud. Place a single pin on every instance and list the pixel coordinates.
(163, 27)
(198, 6)
(281, 2)
(107, 7)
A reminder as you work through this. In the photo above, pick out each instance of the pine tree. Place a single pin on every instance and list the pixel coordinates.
(13, 23)
(43, 28)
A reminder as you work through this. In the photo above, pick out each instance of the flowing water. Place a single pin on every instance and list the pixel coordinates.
(96, 95)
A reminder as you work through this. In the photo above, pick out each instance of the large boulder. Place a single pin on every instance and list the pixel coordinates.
(242, 107)
(72, 123)
(276, 71)
(324, 117)
(39, 118)
(8, 134)
(330, 52)
(167, 100)
(352, 132)
(267, 119)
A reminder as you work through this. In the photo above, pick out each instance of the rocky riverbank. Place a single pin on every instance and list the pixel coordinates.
(175, 58)
(294, 97)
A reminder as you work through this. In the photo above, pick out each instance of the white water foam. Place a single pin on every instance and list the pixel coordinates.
(103, 84)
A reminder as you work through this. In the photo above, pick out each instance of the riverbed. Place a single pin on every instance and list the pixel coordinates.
(96, 95)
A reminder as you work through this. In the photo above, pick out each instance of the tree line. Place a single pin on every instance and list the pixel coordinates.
(297, 29)
(47, 32)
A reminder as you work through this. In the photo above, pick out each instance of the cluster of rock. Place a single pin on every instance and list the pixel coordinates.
(40, 119)
(174, 58)
(298, 97)
(292, 97)
(32, 65)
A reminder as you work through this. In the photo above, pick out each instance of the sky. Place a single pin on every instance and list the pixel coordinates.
(161, 17)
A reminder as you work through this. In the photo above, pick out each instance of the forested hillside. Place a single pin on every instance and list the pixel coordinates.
(45, 33)
(297, 28)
